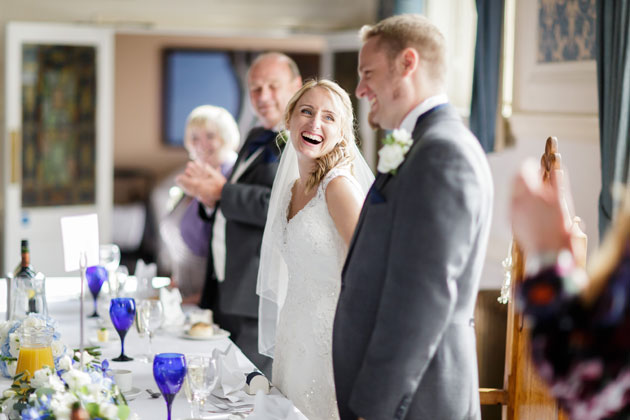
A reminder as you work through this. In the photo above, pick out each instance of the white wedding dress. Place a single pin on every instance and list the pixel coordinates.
(314, 254)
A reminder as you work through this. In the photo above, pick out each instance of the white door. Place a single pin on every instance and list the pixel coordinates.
(58, 136)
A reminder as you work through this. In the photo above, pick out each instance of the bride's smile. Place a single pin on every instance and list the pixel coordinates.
(312, 138)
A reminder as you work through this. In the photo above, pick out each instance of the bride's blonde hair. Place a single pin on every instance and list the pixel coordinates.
(342, 154)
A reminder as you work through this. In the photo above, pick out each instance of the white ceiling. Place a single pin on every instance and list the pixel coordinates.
(215, 15)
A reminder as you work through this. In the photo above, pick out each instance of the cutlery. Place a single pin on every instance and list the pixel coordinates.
(153, 394)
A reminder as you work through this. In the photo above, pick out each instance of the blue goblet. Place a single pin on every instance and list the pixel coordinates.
(169, 371)
(122, 311)
(96, 276)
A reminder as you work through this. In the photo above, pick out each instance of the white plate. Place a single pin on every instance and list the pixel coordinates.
(218, 335)
(132, 393)
(113, 338)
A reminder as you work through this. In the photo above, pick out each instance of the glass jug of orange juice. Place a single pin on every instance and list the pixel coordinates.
(35, 350)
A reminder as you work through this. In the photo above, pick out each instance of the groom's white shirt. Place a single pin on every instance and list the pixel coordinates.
(409, 122)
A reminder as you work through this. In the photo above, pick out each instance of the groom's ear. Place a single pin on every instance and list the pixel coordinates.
(408, 61)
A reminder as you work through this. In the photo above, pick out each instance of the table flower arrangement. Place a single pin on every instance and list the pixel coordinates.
(57, 394)
(10, 343)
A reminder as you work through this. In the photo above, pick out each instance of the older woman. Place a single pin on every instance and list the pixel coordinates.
(211, 139)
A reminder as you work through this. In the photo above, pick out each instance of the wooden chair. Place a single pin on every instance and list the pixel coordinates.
(524, 395)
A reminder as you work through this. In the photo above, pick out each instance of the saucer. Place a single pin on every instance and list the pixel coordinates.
(132, 393)
(218, 335)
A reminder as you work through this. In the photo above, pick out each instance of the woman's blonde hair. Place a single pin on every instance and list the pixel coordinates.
(217, 118)
(342, 154)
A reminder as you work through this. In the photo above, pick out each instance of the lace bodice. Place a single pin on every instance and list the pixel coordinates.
(312, 245)
(314, 253)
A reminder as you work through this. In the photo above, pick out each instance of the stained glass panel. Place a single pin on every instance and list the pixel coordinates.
(58, 125)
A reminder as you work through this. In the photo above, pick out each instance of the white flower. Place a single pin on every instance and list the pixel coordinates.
(87, 358)
(65, 363)
(56, 384)
(41, 377)
(110, 411)
(33, 322)
(4, 330)
(395, 147)
(76, 379)
(11, 366)
(32, 399)
(58, 348)
(389, 157)
(14, 344)
(61, 404)
(402, 136)
(8, 393)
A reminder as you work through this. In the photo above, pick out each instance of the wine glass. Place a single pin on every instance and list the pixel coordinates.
(169, 371)
(96, 276)
(122, 311)
(201, 379)
(151, 317)
(109, 256)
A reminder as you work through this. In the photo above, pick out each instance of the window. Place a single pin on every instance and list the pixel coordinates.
(193, 78)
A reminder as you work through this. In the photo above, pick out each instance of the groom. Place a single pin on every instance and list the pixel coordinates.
(403, 337)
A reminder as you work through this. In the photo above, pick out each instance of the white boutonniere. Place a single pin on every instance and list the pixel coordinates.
(395, 147)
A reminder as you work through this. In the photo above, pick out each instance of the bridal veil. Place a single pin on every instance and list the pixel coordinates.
(272, 273)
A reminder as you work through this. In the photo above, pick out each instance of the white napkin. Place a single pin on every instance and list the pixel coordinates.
(144, 270)
(274, 407)
(200, 315)
(232, 374)
(172, 305)
(144, 273)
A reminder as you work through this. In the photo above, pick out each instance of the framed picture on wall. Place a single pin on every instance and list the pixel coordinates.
(555, 68)
(193, 77)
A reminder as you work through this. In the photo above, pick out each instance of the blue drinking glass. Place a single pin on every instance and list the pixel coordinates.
(169, 371)
(96, 276)
(122, 311)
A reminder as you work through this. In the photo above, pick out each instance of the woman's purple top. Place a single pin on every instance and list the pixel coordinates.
(194, 230)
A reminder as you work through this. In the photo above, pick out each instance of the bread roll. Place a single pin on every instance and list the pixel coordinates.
(201, 329)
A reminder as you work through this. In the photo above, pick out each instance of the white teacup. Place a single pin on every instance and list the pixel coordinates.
(124, 379)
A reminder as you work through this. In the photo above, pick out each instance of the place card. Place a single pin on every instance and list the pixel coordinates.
(80, 234)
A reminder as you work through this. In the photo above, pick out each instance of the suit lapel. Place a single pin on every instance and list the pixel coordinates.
(378, 183)
(422, 123)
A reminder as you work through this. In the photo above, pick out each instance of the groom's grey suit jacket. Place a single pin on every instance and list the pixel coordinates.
(403, 339)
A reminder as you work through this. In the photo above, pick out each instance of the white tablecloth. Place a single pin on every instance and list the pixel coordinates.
(67, 315)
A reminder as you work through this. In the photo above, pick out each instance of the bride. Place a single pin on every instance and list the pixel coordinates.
(315, 203)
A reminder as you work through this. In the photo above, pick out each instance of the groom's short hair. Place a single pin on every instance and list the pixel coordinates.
(410, 31)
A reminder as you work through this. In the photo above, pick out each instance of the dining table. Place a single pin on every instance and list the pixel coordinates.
(64, 307)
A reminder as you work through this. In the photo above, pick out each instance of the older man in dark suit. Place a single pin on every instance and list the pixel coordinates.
(403, 339)
(239, 207)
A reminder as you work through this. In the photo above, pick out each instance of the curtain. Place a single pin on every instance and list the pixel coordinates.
(387, 8)
(613, 84)
(486, 73)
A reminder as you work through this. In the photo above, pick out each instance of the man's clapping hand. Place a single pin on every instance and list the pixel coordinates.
(203, 182)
